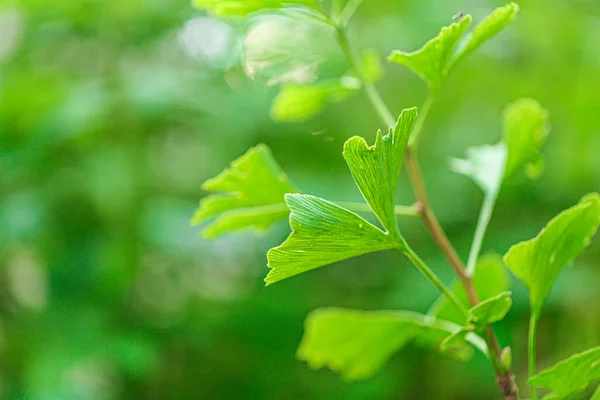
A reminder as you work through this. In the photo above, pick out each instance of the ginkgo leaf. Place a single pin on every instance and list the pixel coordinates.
(484, 164)
(490, 279)
(525, 130)
(281, 49)
(376, 169)
(538, 262)
(437, 57)
(499, 19)
(490, 310)
(431, 62)
(250, 194)
(298, 102)
(356, 344)
(571, 375)
(322, 233)
(244, 7)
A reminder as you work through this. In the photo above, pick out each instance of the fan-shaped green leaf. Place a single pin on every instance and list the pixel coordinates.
(299, 102)
(431, 62)
(357, 343)
(490, 279)
(437, 57)
(376, 169)
(490, 310)
(571, 375)
(525, 130)
(250, 194)
(244, 7)
(537, 262)
(322, 233)
(499, 19)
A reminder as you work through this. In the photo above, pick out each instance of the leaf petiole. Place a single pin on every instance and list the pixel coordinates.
(533, 321)
(425, 270)
(485, 214)
(346, 14)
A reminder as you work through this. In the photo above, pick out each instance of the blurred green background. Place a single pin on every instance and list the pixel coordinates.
(112, 114)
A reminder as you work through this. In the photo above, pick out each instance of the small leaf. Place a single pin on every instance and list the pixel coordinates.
(376, 169)
(356, 344)
(489, 280)
(243, 7)
(322, 233)
(250, 195)
(432, 61)
(299, 102)
(537, 262)
(525, 130)
(571, 375)
(499, 19)
(456, 339)
(490, 310)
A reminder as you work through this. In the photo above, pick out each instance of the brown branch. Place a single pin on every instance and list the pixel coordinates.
(504, 379)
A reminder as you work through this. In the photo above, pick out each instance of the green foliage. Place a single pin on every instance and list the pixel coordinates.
(488, 28)
(490, 310)
(538, 262)
(490, 280)
(525, 130)
(436, 58)
(356, 343)
(487, 312)
(571, 375)
(433, 60)
(237, 203)
(298, 102)
(322, 233)
(226, 8)
(287, 49)
(376, 169)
